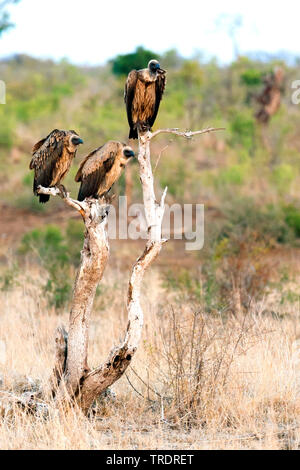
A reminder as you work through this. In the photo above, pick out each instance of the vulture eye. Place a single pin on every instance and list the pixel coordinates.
(77, 140)
(128, 153)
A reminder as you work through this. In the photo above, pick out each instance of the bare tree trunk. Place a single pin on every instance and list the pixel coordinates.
(94, 257)
(72, 349)
(72, 380)
(61, 348)
(128, 184)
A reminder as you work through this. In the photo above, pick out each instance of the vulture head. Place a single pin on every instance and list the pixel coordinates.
(74, 141)
(128, 152)
(154, 67)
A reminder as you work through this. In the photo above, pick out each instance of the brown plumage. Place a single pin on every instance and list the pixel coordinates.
(102, 168)
(52, 158)
(143, 93)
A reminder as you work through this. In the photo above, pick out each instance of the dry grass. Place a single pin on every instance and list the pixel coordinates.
(198, 381)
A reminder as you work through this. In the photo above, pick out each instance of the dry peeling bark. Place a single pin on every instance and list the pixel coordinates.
(72, 380)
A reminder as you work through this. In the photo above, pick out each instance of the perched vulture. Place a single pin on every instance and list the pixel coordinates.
(52, 158)
(102, 168)
(143, 93)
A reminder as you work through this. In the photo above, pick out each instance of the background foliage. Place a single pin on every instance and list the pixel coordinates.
(247, 176)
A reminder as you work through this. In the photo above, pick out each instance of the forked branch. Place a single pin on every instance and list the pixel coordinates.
(186, 134)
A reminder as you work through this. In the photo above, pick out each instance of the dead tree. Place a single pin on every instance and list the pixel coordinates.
(72, 381)
(128, 184)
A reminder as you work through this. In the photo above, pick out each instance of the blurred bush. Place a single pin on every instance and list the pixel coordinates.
(251, 77)
(123, 64)
(292, 218)
(58, 253)
(242, 127)
(247, 176)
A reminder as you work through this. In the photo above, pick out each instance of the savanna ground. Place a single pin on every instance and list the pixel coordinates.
(219, 362)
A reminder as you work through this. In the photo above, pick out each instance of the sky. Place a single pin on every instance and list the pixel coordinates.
(93, 31)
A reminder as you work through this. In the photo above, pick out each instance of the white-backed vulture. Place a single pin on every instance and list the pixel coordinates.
(143, 93)
(52, 158)
(102, 168)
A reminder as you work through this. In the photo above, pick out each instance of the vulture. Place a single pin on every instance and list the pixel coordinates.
(102, 168)
(52, 158)
(143, 93)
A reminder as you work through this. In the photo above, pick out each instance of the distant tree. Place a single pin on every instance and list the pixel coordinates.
(5, 23)
(231, 24)
(252, 77)
(190, 79)
(124, 63)
(171, 59)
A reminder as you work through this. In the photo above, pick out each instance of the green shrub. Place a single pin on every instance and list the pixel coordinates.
(251, 77)
(74, 240)
(292, 218)
(7, 128)
(174, 175)
(283, 176)
(233, 175)
(58, 254)
(267, 221)
(185, 282)
(29, 202)
(8, 278)
(28, 180)
(242, 129)
(236, 259)
(123, 64)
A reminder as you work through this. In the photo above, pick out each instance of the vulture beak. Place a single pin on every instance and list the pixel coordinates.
(161, 70)
(129, 153)
(76, 141)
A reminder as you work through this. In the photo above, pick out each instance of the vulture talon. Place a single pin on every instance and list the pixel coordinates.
(62, 190)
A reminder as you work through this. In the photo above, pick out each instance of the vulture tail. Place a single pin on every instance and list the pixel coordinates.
(44, 198)
(81, 196)
(133, 134)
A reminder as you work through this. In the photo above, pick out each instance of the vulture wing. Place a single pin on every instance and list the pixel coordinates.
(38, 146)
(93, 170)
(129, 94)
(78, 176)
(46, 153)
(160, 85)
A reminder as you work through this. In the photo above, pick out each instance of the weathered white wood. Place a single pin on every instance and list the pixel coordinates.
(94, 258)
(61, 345)
(186, 134)
(79, 206)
